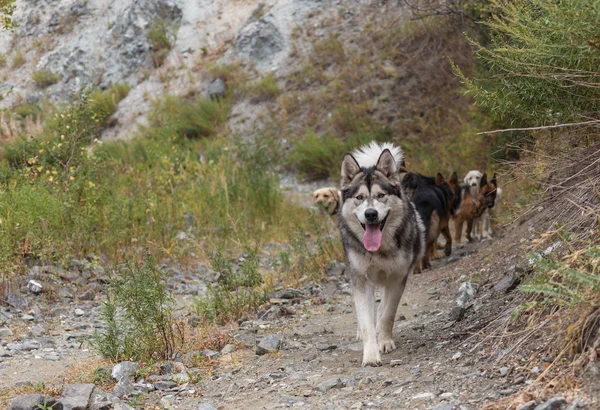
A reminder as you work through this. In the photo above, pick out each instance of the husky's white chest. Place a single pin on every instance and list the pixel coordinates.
(378, 269)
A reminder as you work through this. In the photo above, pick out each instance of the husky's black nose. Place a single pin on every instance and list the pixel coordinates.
(371, 215)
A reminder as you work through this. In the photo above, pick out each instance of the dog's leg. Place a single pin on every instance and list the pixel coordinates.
(469, 229)
(458, 227)
(364, 301)
(448, 237)
(477, 228)
(392, 293)
(487, 226)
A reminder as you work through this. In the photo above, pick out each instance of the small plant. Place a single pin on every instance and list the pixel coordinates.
(138, 317)
(105, 102)
(46, 406)
(18, 59)
(161, 37)
(3, 60)
(265, 89)
(572, 281)
(44, 78)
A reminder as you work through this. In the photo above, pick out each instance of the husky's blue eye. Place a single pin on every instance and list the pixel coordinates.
(360, 197)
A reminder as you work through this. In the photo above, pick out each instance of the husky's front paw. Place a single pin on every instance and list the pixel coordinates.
(386, 345)
(371, 356)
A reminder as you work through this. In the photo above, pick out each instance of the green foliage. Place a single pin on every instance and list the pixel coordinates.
(105, 103)
(67, 132)
(138, 316)
(319, 157)
(542, 62)
(44, 78)
(264, 89)
(161, 36)
(27, 110)
(18, 59)
(3, 60)
(173, 116)
(7, 8)
(238, 292)
(569, 282)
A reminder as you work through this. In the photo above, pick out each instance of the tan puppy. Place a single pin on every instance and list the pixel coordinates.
(327, 199)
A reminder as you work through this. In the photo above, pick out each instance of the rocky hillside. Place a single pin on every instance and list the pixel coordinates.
(155, 46)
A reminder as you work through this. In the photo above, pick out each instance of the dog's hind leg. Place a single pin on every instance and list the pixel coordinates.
(364, 301)
(448, 237)
(469, 229)
(392, 294)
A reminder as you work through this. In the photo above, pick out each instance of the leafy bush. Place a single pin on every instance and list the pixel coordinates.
(138, 316)
(44, 78)
(542, 62)
(320, 157)
(173, 116)
(105, 103)
(3, 60)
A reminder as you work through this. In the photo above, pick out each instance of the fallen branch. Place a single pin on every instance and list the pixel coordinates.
(544, 127)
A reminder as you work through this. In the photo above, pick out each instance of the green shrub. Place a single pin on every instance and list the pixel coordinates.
(18, 59)
(542, 62)
(105, 103)
(319, 157)
(173, 116)
(27, 110)
(264, 89)
(138, 315)
(3, 60)
(161, 37)
(44, 78)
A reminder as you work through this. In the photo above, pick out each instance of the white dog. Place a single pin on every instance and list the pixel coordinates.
(482, 226)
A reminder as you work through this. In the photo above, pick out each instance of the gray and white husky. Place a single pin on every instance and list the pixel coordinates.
(383, 239)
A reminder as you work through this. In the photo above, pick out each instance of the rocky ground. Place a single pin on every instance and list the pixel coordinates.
(300, 350)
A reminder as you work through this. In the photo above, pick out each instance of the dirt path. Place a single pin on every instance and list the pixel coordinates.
(319, 366)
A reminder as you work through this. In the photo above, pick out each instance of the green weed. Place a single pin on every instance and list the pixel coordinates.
(161, 36)
(44, 78)
(137, 314)
(18, 59)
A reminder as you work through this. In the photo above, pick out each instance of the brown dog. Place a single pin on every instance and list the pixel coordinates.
(328, 200)
(472, 207)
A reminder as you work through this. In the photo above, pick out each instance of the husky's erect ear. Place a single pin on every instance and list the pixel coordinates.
(483, 181)
(493, 181)
(439, 179)
(454, 178)
(386, 164)
(349, 169)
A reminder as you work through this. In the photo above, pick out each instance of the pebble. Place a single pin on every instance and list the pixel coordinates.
(329, 384)
(443, 406)
(504, 371)
(35, 287)
(206, 406)
(423, 396)
(79, 312)
(555, 403)
(5, 332)
(228, 348)
(268, 344)
(457, 356)
(528, 406)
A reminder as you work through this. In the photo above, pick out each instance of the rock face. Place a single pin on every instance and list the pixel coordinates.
(260, 41)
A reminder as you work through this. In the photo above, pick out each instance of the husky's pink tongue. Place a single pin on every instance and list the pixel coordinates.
(372, 237)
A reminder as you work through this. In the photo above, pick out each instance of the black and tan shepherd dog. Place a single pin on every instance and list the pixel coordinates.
(436, 201)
